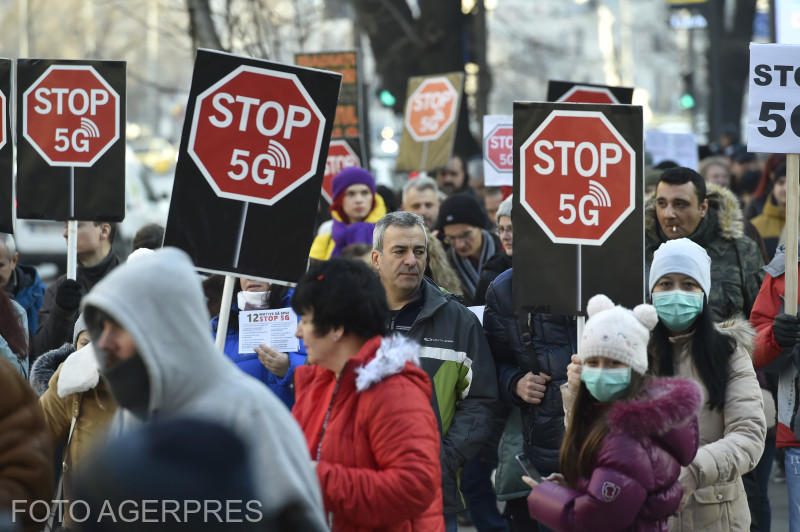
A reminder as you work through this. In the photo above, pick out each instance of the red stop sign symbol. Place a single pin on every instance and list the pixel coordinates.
(256, 135)
(587, 94)
(499, 148)
(578, 177)
(340, 156)
(431, 109)
(70, 115)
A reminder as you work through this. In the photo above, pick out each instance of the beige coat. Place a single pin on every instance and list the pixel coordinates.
(75, 390)
(731, 441)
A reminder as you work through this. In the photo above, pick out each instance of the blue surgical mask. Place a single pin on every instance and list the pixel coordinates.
(678, 309)
(606, 384)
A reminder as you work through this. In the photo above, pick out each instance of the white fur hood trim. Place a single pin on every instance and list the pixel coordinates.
(79, 372)
(390, 359)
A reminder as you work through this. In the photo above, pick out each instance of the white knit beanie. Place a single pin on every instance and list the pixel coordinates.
(681, 256)
(617, 333)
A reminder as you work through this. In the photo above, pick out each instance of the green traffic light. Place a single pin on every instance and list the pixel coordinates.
(687, 101)
(387, 98)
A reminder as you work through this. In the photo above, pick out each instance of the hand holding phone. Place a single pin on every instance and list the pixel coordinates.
(527, 466)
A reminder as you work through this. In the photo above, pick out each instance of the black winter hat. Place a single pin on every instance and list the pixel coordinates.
(461, 209)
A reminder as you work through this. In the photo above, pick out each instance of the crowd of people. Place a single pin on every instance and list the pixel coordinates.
(417, 386)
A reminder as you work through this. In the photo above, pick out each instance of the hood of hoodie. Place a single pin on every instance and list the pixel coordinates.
(159, 301)
(777, 266)
(723, 212)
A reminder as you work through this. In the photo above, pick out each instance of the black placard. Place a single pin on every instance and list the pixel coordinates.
(44, 191)
(350, 123)
(546, 277)
(6, 151)
(557, 89)
(276, 238)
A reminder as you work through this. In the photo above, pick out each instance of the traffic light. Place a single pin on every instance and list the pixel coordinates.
(386, 98)
(686, 101)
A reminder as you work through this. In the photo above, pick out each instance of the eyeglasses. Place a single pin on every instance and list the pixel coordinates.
(466, 236)
(500, 230)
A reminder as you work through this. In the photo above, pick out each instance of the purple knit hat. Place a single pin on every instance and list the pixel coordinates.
(351, 176)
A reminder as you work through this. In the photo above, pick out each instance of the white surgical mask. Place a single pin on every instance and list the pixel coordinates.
(252, 300)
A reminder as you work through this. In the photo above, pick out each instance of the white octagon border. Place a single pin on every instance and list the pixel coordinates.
(589, 88)
(25, 115)
(196, 118)
(631, 200)
(447, 124)
(486, 148)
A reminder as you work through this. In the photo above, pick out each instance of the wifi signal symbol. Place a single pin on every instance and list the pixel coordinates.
(90, 128)
(600, 194)
(277, 155)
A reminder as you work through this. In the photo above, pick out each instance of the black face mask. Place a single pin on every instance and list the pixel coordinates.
(130, 385)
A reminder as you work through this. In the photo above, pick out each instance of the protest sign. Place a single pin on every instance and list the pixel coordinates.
(273, 327)
(578, 208)
(430, 120)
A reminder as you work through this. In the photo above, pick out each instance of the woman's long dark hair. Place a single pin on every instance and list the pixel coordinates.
(711, 352)
(10, 328)
(586, 430)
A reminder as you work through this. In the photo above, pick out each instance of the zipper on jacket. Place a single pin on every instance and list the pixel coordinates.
(328, 414)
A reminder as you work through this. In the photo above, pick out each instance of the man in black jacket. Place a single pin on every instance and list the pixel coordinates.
(462, 223)
(453, 351)
(531, 362)
(63, 298)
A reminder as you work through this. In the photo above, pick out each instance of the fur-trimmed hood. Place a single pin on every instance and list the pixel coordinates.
(741, 331)
(721, 201)
(44, 367)
(79, 370)
(390, 359)
(666, 403)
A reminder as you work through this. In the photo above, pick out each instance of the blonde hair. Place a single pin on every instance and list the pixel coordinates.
(443, 274)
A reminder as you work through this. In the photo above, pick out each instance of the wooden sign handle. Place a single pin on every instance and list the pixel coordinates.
(792, 208)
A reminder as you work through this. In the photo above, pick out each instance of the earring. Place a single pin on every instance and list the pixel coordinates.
(336, 338)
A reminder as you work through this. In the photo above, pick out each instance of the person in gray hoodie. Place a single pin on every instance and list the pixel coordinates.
(149, 326)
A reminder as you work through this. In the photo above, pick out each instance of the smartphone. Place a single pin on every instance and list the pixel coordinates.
(527, 466)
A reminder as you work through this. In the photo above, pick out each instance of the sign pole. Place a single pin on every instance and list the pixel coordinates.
(72, 249)
(225, 311)
(581, 319)
(423, 159)
(72, 231)
(792, 199)
(71, 192)
(240, 235)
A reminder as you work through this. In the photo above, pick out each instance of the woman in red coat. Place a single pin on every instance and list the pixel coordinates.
(364, 406)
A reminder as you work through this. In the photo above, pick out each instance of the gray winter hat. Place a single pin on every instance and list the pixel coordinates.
(681, 256)
(80, 326)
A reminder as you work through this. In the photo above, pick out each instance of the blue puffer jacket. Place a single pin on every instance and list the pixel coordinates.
(29, 294)
(553, 340)
(249, 363)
